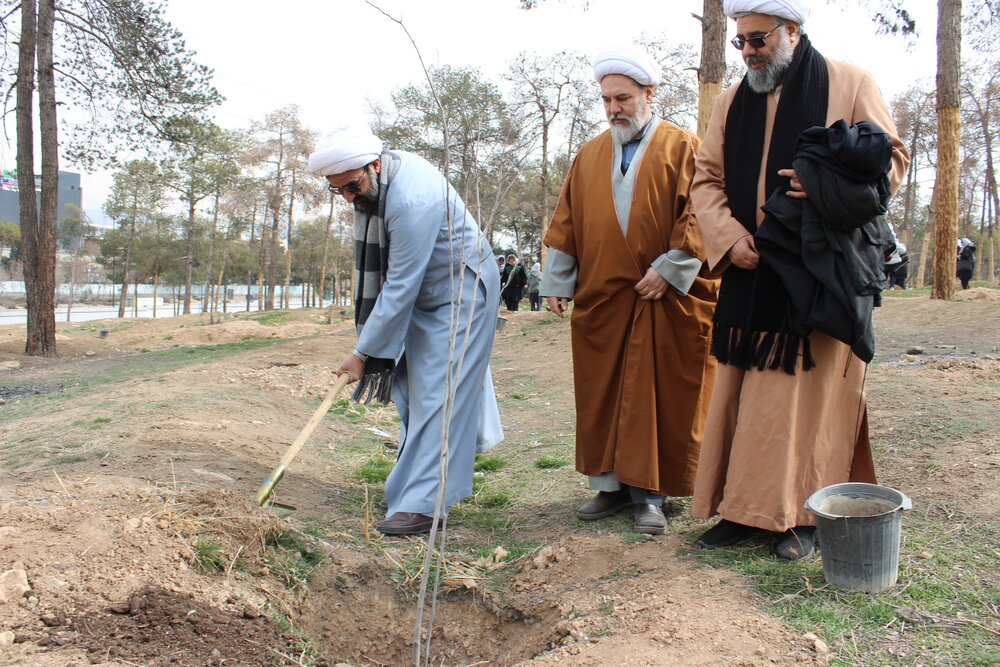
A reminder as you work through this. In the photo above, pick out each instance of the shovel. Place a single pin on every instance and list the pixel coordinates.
(267, 488)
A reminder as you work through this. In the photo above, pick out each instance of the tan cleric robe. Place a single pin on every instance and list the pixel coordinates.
(642, 371)
(773, 438)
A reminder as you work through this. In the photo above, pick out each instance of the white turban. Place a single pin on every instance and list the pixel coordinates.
(345, 148)
(790, 10)
(628, 61)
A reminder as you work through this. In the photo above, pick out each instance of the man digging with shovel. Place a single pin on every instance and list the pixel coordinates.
(427, 300)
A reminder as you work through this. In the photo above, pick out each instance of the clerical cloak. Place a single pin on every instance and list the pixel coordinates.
(643, 375)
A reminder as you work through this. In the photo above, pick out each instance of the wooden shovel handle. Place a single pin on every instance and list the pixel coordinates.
(314, 421)
(267, 488)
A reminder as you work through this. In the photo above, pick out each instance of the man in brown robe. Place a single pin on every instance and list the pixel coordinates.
(776, 435)
(625, 247)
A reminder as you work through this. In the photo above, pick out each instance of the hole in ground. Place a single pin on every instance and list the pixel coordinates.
(357, 615)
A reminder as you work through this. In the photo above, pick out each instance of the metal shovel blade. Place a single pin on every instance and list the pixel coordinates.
(266, 490)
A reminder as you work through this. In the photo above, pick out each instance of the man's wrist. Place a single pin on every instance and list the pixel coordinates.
(360, 355)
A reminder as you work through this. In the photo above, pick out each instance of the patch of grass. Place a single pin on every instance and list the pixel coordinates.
(271, 318)
(374, 471)
(102, 420)
(542, 323)
(352, 412)
(209, 557)
(493, 498)
(488, 463)
(550, 462)
(291, 559)
(942, 611)
(78, 382)
(66, 459)
(306, 652)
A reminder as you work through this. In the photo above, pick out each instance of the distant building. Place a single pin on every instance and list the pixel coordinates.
(69, 193)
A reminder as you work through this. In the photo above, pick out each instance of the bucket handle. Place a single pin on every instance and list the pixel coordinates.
(906, 503)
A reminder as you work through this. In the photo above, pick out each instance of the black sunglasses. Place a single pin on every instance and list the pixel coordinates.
(756, 42)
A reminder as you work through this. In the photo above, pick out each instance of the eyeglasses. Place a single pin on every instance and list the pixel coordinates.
(756, 42)
(354, 187)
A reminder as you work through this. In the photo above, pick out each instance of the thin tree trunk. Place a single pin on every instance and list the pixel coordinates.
(253, 229)
(38, 269)
(189, 262)
(288, 241)
(949, 41)
(326, 250)
(211, 251)
(925, 251)
(712, 68)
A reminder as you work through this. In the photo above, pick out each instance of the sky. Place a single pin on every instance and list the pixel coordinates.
(329, 56)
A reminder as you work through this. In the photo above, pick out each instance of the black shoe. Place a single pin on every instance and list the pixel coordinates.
(405, 523)
(384, 504)
(796, 543)
(649, 519)
(605, 503)
(725, 534)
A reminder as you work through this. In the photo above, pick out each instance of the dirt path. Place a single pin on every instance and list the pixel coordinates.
(123, 459)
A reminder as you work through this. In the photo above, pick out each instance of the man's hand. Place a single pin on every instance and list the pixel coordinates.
(653, 286)
(352, 366)
(557, 304)
(797, 191)
(744, 253)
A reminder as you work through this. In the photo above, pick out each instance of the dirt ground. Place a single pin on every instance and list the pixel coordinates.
(105, 492)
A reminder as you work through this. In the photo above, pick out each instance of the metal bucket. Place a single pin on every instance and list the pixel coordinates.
(501, 323)
(857, 527)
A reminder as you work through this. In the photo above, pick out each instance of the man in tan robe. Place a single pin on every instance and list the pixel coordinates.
(625, 247)
(773, 437)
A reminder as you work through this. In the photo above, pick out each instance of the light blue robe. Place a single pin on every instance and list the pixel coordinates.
(431, 289)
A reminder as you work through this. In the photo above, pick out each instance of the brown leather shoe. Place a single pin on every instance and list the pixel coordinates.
(605, 503)
(649, 519)
(405, 523)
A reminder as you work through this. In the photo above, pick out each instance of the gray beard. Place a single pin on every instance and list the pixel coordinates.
(623, 135)
(767, 78)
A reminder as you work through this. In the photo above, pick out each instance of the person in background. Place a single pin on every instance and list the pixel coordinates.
(513, 281)
(892, 262)
(965, 263)
(535, 284)
(902, 268)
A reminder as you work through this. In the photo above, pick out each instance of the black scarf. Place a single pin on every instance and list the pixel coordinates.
(371, 261)
(752, 328)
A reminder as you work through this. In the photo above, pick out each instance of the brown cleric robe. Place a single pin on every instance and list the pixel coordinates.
(642, 372)
(773, 438)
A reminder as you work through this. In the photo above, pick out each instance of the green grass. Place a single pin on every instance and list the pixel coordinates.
(291, 559)
(488, 463)
(271, 318)
(209, 557)
(550, 462)
(65, 459)
(351, 412)
(948, 595)
(374, 471)
(81, 380)
(494, 498)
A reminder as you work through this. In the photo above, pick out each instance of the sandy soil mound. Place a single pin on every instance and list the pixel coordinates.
(980, 294)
